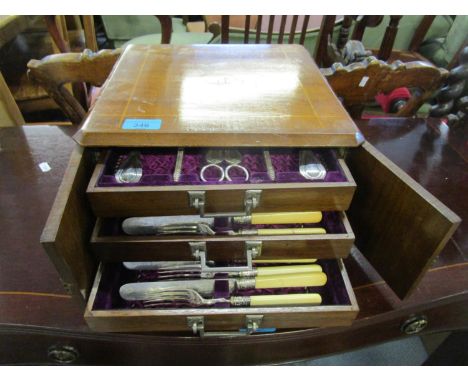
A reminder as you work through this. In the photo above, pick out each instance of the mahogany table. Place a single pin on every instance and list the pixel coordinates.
(40, 324)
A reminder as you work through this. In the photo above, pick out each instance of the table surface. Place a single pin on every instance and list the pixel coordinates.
(31, 294)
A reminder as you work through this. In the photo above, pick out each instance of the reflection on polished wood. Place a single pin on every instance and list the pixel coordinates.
(433, 155)
(216, 95)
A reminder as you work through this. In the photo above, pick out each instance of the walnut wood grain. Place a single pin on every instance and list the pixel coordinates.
(399, 226)
(219, 95)
(66, 234)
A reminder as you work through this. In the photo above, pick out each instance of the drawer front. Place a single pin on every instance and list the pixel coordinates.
(146, 248)
(145, 201)
(109, 199)
(101, 316)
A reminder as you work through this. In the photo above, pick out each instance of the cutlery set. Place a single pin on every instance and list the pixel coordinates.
(310, 167)
(186, 283)
(196, 225)
(193, 289)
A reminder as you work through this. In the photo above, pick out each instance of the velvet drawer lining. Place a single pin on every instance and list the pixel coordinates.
(158, 167)
(114, 275)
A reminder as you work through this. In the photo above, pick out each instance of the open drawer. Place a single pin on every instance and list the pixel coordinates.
(398, 225)
(110, 243)
(157, 193)
(107, 311)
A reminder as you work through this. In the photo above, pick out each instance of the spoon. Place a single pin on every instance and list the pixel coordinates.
(130, 170)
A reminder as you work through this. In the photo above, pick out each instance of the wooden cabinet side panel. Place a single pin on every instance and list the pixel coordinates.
(66, 234)
(399, 226)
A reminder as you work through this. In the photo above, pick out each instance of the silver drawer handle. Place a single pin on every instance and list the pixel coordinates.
(197, 200)
(253, 249)
(197, 325)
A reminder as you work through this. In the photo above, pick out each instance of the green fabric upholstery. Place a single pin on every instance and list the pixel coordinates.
(124, 28)
(406, 28)
(442, 50)
(176, 39)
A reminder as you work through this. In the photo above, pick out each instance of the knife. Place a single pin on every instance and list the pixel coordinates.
(141, 291)
(192, 270)
(277, 231)
(155, 265)
(151, 225)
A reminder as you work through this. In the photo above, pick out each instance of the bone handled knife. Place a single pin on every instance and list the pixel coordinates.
(302, 217)
(157, 265)
(187, 268)
(143, 290)
(151, 225)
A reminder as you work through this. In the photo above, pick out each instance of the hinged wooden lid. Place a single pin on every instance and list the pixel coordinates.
(217, 95)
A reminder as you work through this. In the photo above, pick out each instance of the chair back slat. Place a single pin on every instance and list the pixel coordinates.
(224, 29)
(166, 28)
(271, 22)
(344, 32)
(281, 31)
(388, 39)
(304, 29)
(259, 30)
(246, 29)
(292, 31)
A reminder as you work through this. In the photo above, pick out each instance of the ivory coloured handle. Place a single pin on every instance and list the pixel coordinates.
(291, 280)
(281, 261)
(286, 217)
(291, 231)
(286, 299)
(288, 269)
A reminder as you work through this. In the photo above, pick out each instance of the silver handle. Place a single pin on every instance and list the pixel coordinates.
(253, 249)
(197, 325)
(197, 200)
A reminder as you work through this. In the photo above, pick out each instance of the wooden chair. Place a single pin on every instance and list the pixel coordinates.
(253, 26)
(359, 83)
(55, 71)
(452, 99)
(327, 53)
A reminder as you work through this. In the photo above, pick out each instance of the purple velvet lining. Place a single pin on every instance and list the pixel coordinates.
(331, 222)
(115, 274)
(158, 167)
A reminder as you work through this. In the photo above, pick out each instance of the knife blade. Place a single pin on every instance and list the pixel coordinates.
(141, 291)
(150, 225)
(155, 265)
(153, 225)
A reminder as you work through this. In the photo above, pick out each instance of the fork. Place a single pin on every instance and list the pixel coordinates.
(193, 298)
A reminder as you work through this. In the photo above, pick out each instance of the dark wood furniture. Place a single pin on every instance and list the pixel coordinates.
(253, 26)
(324, 49)
(42, 324)
(56, 71)
(359, 83)
(276, 98)
(452, 99)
